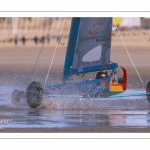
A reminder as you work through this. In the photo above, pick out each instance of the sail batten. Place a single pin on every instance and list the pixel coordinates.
(96, 37)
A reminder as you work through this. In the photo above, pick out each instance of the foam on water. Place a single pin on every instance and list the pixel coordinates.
(5, 96)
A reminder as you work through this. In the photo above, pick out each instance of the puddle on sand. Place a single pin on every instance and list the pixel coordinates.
(46, 118)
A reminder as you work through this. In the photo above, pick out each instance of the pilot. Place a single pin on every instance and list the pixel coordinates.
(114, 77)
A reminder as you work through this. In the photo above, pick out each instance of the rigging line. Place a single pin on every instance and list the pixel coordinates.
(128, 52)
(54, 52)
(43, 45)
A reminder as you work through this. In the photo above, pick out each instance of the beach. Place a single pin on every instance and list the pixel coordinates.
(17, 68)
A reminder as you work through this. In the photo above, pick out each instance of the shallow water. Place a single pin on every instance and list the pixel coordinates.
(75, 112)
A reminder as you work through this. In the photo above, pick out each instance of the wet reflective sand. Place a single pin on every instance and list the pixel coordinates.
(82, 115)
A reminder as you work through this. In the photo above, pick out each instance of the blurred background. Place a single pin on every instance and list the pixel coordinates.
(36, 30)
(27, 30)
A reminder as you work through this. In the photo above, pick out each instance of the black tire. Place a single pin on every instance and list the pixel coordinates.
(34, 94)
(16, 96)
(147, 91)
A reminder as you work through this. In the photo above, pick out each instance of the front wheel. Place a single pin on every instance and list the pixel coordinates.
(34, 94)
(147, 91)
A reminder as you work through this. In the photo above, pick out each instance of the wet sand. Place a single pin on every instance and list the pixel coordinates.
(17, 63)
(77, 130)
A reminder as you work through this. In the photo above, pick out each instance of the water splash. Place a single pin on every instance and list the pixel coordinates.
(75, 103)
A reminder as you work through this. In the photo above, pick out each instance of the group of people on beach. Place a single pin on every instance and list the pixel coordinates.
(36, 39)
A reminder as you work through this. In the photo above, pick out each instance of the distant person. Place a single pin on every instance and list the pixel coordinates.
(23, 39)
(10, 39)
(35, 39)
(42, 39)
(48, 38)
(16, 39)
(58, 39)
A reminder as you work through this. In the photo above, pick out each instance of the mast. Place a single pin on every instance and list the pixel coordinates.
(14, 26)
(3, 36)
(26, 27)
(72, 40)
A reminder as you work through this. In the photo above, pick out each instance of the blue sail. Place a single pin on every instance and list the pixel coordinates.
(89, 46)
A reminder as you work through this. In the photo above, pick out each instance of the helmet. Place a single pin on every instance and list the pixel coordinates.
(100, 75)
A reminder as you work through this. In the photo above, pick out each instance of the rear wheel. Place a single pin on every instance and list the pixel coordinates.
(16, 96)
(34, 94)
(147, 91)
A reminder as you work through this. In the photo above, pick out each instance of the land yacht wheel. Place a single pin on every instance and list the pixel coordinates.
(34, 94)
(147, 91)
(16, 96)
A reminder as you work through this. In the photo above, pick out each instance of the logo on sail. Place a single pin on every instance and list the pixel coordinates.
(98, 26)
